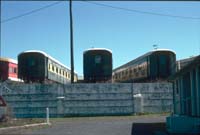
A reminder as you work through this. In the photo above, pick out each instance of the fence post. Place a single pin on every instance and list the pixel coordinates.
(47, 115)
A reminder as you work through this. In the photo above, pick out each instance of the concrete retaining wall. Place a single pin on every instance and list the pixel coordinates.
(31, 100)
(155, 97)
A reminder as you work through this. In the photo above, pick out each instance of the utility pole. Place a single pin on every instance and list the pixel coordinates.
(0, 28)
(71, 41)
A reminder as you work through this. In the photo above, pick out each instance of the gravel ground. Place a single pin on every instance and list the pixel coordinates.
(123, 125)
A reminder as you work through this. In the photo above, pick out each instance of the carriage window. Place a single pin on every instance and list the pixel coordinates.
(15, 70)
(163, 69)
(31, 62)
(56, 70)
(97, 59)
(163, 59)
(53, 68)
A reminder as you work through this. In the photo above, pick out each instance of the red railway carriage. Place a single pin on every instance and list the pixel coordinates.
(8, 69)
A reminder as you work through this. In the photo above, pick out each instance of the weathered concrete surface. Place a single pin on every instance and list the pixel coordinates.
(31, 100)
(155, 97)
(66, 100)
(97, 99)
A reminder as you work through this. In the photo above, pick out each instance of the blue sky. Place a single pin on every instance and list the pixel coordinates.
(128, 34)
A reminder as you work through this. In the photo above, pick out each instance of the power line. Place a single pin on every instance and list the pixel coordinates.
(143, 12)
(100, 4)
(30, 12)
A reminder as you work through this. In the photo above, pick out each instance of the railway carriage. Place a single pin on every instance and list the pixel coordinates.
(37, 66)
(184, 62)
(156, 65)
(8, 69)
(97, 65)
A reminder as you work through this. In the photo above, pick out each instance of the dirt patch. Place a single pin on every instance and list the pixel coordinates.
(20, 122)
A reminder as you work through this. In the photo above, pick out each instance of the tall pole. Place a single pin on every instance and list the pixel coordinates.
(71, 41)
(0, 28)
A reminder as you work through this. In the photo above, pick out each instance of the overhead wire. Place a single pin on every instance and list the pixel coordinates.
(100, 4)
(144, 12)
(30, 12)
(141, 12)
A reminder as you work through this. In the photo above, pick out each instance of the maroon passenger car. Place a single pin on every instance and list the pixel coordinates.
(8, 69)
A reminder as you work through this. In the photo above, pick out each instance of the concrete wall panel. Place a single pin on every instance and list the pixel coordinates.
(31, 100)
